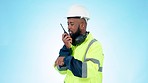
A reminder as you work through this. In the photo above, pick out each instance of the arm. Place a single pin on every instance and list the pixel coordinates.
(65, 51)
(74, 65)
(66, 61)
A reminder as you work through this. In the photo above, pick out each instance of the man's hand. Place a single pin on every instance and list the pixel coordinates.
(67, 40)
(59, 61)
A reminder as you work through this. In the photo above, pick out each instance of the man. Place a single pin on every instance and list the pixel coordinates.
(81, 57)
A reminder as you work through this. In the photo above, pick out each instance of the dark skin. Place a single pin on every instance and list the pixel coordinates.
(73, 24)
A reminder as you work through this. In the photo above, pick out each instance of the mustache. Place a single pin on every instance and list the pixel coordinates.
(70, 32)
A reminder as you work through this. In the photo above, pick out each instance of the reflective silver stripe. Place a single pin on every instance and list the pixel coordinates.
(61, 68)
(84, 70)
(100, 69)
(84, 64)
(92, 41)
(94, 61)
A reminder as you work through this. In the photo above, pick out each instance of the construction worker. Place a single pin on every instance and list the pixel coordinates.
(81, 57)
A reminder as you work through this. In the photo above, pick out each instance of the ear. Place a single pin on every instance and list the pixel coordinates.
(82, 25)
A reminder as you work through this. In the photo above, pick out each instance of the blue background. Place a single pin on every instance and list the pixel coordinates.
(30, 38)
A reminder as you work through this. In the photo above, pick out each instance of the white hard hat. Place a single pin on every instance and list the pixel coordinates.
(78, 11)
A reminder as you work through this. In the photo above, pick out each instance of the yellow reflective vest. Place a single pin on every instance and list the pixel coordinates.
(92, 57)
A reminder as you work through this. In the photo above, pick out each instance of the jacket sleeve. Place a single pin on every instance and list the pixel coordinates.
(64, 51)
(74, 65)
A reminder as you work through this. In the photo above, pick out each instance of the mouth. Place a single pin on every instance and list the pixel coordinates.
(70, 32)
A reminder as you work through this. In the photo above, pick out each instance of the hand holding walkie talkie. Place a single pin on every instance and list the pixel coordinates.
(66, 38)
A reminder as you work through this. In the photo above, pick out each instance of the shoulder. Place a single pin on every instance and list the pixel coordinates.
(96, 44)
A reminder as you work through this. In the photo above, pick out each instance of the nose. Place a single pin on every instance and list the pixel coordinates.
(69, 27)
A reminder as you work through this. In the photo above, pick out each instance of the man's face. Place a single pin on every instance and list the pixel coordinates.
(73, 26)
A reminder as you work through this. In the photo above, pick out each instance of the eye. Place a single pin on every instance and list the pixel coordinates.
(72, 24)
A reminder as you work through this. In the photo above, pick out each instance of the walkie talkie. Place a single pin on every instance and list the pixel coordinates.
(63, 28)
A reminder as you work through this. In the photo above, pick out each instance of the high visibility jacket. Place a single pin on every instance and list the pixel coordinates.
(92, 59)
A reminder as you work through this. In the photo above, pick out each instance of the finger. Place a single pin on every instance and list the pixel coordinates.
(56, 63)
(61, 64)
(68, 36)
(61, 59)
(69, 39)
(64, 38)
(64, 34)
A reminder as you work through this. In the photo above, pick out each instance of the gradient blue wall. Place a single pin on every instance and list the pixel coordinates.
(30, 38)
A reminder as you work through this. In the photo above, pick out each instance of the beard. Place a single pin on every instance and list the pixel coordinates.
(75, 35)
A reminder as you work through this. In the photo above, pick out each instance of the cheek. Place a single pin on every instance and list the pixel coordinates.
(75, 28)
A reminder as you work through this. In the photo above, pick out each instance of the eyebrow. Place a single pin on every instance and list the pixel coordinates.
(70, 22)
